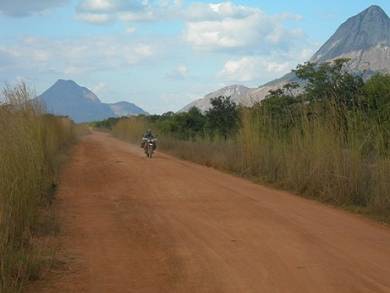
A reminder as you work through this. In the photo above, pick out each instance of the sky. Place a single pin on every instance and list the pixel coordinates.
(163, 54)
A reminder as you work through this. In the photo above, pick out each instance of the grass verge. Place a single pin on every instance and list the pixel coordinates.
(32, 146)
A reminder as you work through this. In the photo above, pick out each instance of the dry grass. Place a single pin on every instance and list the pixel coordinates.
(30, 147)
(131, 129)
(346, 166)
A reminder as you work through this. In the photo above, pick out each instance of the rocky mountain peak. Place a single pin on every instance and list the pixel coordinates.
(366, 30)
(70, 89)
(64, 82)
(374, 11)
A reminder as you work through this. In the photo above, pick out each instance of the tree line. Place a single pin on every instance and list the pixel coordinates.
(322, 88)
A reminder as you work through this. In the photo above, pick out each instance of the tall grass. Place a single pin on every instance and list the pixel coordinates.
(343, 163)
(338, 156)
(30, 144)
(131, 129)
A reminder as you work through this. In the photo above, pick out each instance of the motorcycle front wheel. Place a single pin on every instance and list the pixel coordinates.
(150, 152)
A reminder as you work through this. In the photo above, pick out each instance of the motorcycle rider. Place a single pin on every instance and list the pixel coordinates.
(148, 135)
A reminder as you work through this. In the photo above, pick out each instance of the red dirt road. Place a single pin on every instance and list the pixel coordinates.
(163, 225)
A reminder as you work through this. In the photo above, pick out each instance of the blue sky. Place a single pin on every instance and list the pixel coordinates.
(162, 54)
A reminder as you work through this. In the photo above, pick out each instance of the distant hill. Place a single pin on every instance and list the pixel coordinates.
(238, 94)
(68, 98)
(126, 109)
(364, 38)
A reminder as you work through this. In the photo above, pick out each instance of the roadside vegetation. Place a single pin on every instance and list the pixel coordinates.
(32, 145)
(329, 140)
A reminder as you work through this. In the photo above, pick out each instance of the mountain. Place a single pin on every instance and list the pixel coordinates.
(361, 32)
(238, 94)
(364, 38)
(67, 98)
(126, 109)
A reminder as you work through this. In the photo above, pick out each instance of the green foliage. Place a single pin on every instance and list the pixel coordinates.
(377, 93)
(222, 117)
(377, 99)
(221, 120)
(106, 124)
(185, 125)
(281, 106)
(330, 81)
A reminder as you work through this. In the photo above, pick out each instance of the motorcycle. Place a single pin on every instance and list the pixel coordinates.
(149, 146)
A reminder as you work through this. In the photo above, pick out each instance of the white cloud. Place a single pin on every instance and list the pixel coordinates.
(130, 16)
(95, 18)
(98, 5)
(207, 26)
(143, 50)
(7, 55)
(114, 5)
(251, 68)
(216, 11)
(180, 72)
(100, 89)
(229, 26)
(127, 11)
(130, 30)
(262, 68)
(103, 11)
(20, 8)
(73, 56)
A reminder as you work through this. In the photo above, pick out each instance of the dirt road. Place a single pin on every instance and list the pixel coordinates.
(163, 225)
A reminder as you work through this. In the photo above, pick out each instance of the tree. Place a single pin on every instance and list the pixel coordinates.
(223, 116)
(377, 99)
(183, 125)
(377, 92)
(280, 105)
(330, 80)
(195, 122)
